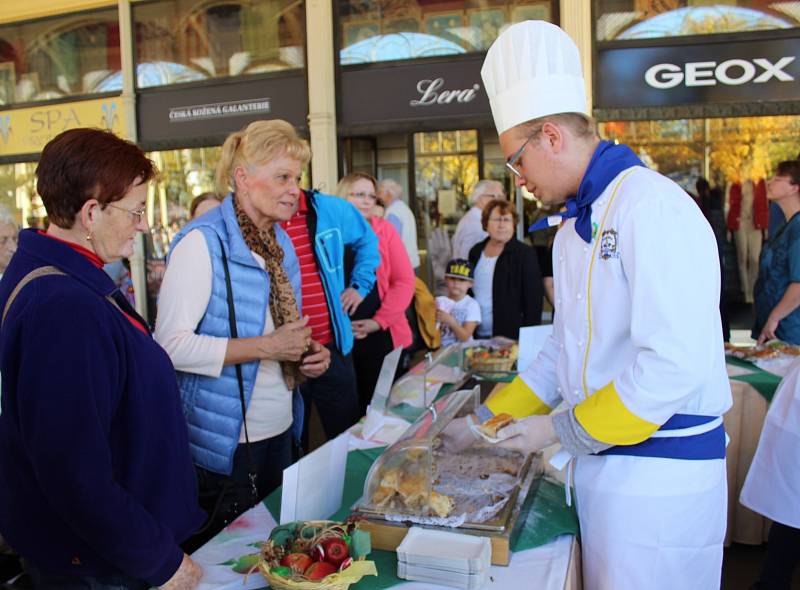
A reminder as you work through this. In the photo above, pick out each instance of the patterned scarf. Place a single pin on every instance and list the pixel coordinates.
(282, 304)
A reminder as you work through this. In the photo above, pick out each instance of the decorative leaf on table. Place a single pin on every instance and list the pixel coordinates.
(243, 564)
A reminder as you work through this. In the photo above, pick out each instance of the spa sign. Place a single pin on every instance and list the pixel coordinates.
(26, 131)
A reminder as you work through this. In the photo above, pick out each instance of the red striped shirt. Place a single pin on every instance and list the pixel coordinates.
(315, 304)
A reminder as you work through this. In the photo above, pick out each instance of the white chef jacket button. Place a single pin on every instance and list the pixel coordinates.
(580, 343)
(561, 259)
(580, 296)
(586, 248)
(577, 392)
(558, 389)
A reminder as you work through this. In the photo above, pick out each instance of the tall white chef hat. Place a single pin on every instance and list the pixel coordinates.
(532, 70)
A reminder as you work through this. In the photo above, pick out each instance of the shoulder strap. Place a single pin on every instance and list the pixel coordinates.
(235, 334)
(42, 271)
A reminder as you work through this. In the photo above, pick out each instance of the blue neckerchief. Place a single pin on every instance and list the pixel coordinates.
(608, 160)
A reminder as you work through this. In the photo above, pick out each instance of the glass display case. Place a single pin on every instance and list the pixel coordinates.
(420, 481)
(410, 395)
(402, 480)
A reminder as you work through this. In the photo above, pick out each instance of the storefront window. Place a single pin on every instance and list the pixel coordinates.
(186, 40)
(647, 19)
(446, 170)
(373, 30)
(18, 194)
(57, 58)
(724, 150)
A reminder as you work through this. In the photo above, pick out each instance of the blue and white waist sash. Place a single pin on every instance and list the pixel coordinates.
(684, 436)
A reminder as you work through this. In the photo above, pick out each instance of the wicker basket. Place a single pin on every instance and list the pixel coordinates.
(335, 581)
(492, 365)
(281, 583)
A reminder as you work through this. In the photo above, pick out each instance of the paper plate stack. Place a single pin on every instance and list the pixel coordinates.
(441, 557)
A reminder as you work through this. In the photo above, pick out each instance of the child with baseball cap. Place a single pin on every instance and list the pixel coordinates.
(458, 314)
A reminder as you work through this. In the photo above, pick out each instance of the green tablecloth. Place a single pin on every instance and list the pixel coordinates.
(544, 517)
(762, 381)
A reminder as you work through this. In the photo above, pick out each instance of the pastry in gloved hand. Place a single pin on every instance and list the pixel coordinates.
(495, 423)
(529, 434)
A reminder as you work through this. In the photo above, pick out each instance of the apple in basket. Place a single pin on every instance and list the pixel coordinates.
(319, 569)
(299, 562)
(335, 550)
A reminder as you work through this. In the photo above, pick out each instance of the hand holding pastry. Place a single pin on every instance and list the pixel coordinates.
(529, 434)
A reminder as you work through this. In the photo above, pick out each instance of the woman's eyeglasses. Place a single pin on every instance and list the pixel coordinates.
(363, 196)
(499, 220)
(138, 214)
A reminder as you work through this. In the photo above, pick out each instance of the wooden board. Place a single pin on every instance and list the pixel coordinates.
(388, 537)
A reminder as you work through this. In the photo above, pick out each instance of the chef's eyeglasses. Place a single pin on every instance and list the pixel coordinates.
(511, 163)
(363, 196)
(137, 214)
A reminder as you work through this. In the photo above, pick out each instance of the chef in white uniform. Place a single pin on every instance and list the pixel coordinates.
(772, 487)
(636, 351)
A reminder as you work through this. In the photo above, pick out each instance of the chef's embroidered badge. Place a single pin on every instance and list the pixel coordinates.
(608, 244)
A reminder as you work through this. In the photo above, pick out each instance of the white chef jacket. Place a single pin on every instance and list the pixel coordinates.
(638, 337)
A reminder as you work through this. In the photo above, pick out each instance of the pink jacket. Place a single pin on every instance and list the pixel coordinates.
(395, 278)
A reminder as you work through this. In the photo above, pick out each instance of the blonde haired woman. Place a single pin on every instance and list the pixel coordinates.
(379, 323)
(235, 268)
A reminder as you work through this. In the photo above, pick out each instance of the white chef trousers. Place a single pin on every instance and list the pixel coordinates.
(650, 523)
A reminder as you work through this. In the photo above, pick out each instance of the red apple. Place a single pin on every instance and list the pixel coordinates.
(299, 562)
(319, 569)
(335, 550)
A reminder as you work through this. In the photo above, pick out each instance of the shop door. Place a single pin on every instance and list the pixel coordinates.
(360, 154)
(446, 169)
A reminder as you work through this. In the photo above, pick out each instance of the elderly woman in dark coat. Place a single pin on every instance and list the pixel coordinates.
(508, 283)
(92, 435)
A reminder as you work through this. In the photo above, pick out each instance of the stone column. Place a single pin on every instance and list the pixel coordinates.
(128, 100)
(321, 94)
(576, 20)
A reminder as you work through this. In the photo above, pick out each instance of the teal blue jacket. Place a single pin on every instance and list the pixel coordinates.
(333, 225)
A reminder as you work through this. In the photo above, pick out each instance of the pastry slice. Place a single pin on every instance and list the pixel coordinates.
(492, 425)
(442, 505)
(412, 489)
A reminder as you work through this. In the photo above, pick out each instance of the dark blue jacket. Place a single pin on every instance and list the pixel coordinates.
(94, 452)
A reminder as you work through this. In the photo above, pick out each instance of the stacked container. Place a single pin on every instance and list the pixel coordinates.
(441, 557)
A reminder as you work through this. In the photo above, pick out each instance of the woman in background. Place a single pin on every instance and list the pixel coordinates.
(203, 203)
(508, 284)
(379, 323)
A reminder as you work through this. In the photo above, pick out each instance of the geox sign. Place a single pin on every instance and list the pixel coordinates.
(743, 71)
(732, 72)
